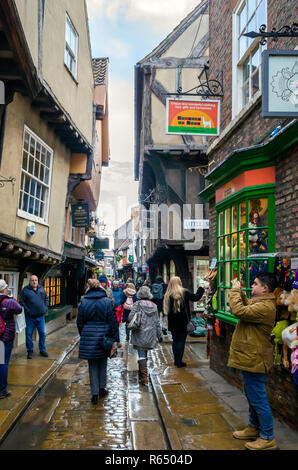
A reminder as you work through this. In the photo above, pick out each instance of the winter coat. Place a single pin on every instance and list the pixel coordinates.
(96, 319)
(126, 312)
(251, 349)
(117, 294)
(177, 321)
(150, 330)
(8, 308)
(35, 302)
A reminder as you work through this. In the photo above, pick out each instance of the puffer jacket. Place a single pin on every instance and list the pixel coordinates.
(8, 308)
(96, 319)
(150, 330)
(251, 349)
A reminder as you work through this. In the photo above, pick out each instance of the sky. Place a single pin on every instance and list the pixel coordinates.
(126, 31)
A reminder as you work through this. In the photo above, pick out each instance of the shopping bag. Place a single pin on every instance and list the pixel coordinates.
(20, 322)
(2, 353)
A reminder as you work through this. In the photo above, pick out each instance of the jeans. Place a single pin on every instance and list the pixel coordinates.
(31, 324)
(4, 367)
(178, 346)
(97, 374)
(142, 354)
(260, 415)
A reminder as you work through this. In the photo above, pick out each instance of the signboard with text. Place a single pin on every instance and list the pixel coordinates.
(80, 215)
(193, 117)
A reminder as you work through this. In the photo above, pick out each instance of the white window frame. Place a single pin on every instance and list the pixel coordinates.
(13, 281)
(69, 50)
(237, 63)
(25, 214)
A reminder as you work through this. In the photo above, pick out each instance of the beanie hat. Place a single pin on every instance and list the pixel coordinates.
(102, 279)
(3, 285)
(144, 293)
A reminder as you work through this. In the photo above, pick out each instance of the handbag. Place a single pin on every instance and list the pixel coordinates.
(190, 327)
(20, 322)
(135, 322)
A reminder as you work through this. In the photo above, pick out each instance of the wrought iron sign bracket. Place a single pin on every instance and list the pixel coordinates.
(4, 180)
(207, 88)
(283, 32)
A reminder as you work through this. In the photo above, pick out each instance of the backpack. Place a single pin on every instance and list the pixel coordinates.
(157, 291)
(2, 322)
(128, 304)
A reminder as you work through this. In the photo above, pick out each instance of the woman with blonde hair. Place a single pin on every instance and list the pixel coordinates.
(176, 307)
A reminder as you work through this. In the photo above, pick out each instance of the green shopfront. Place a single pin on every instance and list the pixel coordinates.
(253, 228)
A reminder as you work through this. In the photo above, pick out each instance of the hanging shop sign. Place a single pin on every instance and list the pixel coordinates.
(280, 83)
(80, 215)
(193, 117)
(99, 255)
(101, 243)
(196, 224)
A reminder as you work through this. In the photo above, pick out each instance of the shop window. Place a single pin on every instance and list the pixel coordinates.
(244, 229)
(172, 269)
(53, 287)
(12, 280)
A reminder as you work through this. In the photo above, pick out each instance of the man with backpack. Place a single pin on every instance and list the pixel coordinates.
(158, 290)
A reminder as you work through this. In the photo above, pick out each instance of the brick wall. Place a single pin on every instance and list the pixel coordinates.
(281, 390)
(251, 131)
(254, 129)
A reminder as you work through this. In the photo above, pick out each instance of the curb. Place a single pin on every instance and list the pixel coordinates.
(22, 405)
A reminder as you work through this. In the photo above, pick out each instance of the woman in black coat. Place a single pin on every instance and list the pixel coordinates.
(98, 327)
(176, 307)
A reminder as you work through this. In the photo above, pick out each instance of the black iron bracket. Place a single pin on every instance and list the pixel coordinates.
(208, 88)
(4, 180)
(284, 32)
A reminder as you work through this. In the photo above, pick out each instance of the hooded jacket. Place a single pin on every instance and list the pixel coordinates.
(150, 330)
(8, 308)
(35, 302)
(251, 349)
(96, 319)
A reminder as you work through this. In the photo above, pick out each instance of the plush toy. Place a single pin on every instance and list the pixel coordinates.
(277, 333)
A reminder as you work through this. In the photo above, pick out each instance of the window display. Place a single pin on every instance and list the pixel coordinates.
(243, 230)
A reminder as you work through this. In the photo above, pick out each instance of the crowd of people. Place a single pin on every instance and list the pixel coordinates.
(149, 312)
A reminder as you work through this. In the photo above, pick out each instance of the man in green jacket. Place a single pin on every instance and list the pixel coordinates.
(252, 352)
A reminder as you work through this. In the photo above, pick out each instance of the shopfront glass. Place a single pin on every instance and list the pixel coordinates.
(244, 228)
(201, 267)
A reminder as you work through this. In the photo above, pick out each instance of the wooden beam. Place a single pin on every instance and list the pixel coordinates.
(174, 62)
(26, 254)
(9, 247)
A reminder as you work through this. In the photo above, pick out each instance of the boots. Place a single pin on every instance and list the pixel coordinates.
(143, 372)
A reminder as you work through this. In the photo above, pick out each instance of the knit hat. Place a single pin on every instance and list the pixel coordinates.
(144, 293)
(103, 279)
(3, 285)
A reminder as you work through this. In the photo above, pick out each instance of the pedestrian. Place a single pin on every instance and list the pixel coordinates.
(251, 352)
(145, 337)
(117, 294)
(158, 290)
(176, 307)
(96, 322)
(104, 283)
(8, 308)
(139, 283)
(147, 283)
(128, 298)
(35, 301)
